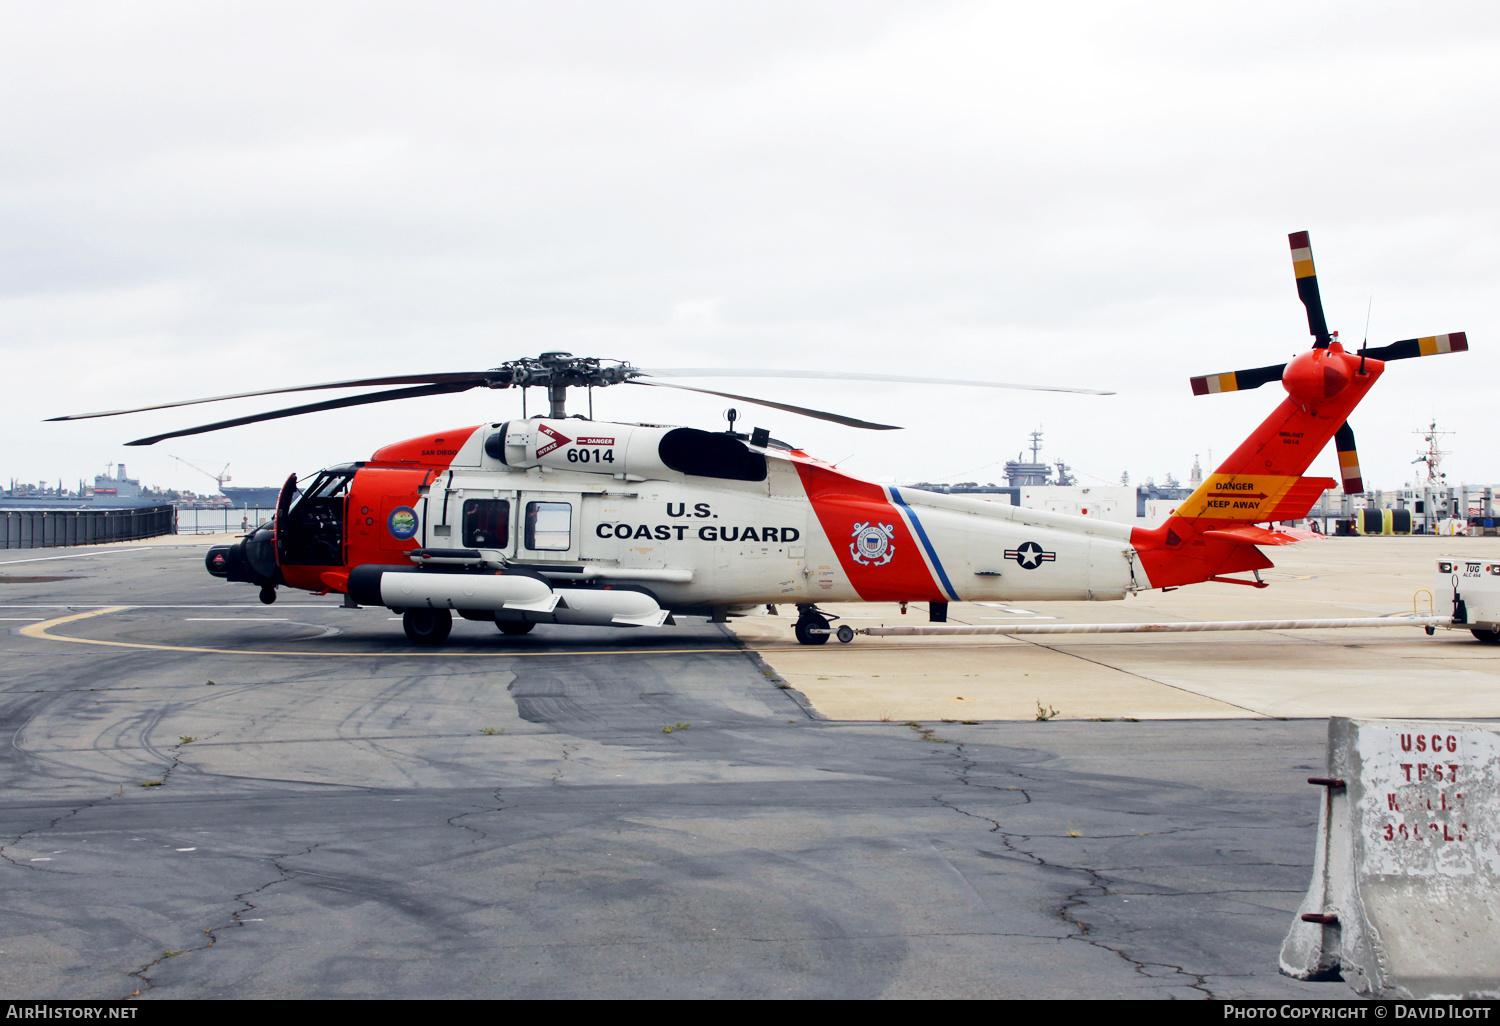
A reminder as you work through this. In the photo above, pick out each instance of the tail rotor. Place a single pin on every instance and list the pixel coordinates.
(1323, 339)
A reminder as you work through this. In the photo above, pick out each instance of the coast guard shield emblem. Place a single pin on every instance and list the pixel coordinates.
(872, 544)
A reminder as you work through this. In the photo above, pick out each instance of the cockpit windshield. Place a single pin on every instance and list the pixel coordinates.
(329, 484)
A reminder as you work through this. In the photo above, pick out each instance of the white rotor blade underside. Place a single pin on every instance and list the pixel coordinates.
(724, 372)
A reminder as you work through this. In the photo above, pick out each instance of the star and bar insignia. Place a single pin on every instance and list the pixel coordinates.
(1030, 555)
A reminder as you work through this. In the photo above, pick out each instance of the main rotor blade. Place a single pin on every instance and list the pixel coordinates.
(1432, 345)
(1307, 288)
(473, 377)
(330, 404)
(1237, 381)
(725, 372)
(802, 410)
(1343, 441)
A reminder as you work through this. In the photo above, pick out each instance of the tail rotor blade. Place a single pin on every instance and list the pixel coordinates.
(1236, 381)
(1343, 441)
(1307, 288)
(1432, 345)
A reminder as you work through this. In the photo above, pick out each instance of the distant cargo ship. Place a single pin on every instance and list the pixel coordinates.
(111, 491)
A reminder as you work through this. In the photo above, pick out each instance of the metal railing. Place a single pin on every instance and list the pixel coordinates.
(49, 528)
(221, 521)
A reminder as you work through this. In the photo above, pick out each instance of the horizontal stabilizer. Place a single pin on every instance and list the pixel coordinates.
(1263, 536)
(1300, 498)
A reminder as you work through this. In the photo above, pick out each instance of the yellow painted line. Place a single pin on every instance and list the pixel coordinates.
(40, 630)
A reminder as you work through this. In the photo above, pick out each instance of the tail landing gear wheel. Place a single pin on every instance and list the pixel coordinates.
(806, 626)
(512, 627)
(427, 626)
(1488, 637)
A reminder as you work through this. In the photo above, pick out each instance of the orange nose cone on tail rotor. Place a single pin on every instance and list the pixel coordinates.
(1319, 375)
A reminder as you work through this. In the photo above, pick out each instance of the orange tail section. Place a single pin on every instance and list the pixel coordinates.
(1211, 533)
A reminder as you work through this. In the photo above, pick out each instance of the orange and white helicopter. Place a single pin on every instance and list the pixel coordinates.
(566, 520)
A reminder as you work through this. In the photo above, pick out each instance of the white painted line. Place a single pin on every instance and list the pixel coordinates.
(81, 555)
(236, 619)
(1032, 616)
(22, 618)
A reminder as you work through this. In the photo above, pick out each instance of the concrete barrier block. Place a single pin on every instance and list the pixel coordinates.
(1405, 894)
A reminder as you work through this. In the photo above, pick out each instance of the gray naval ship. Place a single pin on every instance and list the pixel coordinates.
(111, 491)
(114, 489)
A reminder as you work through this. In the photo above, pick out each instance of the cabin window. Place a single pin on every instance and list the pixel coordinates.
(486, 523)
(549, 526)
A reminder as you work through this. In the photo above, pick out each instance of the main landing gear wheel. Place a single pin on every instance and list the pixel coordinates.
(512, 627)
(427, 626)
(806, 626)
(268, 595)
(1488, 637)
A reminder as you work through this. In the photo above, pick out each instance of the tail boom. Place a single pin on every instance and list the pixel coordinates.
(1262, 480)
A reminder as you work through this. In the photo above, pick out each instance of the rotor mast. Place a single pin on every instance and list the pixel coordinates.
(556, 372)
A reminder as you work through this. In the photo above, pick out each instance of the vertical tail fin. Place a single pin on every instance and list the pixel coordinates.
(1262, 480)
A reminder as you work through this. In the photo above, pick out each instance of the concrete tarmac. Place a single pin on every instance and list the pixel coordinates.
(201, 796)
(1380, 671)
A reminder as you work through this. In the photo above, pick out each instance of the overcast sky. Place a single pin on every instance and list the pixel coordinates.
(206, 198)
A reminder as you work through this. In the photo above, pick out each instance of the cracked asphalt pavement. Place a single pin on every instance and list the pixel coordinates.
(206, 797)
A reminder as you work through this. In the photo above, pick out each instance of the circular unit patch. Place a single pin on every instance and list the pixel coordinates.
(402, 522)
